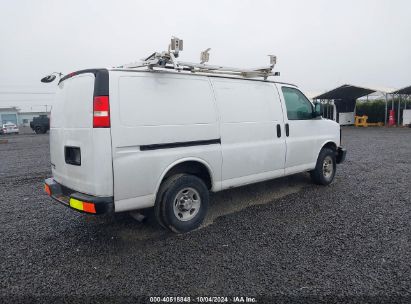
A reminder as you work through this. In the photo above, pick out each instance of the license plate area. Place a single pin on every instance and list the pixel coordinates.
(72, 155)
(64, 199)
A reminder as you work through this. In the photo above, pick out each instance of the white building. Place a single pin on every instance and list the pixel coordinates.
(14, 115)
(24, 118)
(9, 114)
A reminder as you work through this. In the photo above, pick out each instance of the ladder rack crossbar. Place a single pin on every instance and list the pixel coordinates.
(203, 68)
(168, 60)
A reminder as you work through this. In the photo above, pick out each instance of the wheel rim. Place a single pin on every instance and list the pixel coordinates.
(187, 204)
(328, 167)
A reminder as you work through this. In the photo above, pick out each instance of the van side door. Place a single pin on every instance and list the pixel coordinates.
(301, 130)
(252, 137)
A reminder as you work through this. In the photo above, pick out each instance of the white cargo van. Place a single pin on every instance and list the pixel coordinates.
(126, 139)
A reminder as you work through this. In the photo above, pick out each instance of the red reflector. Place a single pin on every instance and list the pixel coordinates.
(89, 207)
(47, 189)
(101, 112)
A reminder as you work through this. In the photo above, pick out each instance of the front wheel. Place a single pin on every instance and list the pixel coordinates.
(184, 203)
(324, 171)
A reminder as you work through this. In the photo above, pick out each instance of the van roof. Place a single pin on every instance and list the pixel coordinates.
(105, 70)
(172, 71)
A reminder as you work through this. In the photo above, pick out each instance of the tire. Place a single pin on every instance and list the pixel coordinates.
(184, 203)
(38, 130)
(324, 171)
(159, 198)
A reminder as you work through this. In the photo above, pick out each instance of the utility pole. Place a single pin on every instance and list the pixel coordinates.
(386, 109)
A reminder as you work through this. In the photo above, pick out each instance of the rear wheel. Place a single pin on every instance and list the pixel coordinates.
(183, 204)
(160, 195)
(324, 171)
(38, 130)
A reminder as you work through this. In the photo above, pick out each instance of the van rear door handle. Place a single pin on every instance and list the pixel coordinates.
(287, 130)
(278, 130)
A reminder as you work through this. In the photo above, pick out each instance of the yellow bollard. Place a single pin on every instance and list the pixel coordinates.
(361, 121)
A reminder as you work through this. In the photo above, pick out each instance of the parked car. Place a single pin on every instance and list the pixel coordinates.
(124, 139)
(40, 124)
(9, 128)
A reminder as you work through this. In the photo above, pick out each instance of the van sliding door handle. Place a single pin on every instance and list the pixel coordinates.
(287, 130)
(278, 130)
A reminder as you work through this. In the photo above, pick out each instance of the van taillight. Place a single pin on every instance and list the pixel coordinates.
(101, 112)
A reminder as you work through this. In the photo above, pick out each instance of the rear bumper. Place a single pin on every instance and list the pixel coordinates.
(78, 201)
(341, 154)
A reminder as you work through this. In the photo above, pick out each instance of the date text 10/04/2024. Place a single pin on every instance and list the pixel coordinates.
(237, 299)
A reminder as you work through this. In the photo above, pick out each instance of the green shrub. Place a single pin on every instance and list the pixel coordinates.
(375, 109)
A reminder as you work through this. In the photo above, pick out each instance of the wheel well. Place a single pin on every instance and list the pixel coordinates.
(330, 145)
(191, 167)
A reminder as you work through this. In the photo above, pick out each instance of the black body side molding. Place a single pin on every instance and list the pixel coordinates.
(180, 144)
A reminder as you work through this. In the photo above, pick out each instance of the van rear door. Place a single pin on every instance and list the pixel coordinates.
(80, 143)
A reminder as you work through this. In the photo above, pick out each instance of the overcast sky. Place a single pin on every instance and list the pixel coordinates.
(320, 44)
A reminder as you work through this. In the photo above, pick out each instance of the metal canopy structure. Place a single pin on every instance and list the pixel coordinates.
(402, 94)
(343, 103)
(345, 96)
(345, 92)
(403, 91)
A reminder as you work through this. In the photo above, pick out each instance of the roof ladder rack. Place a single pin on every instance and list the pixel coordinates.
(168, 60)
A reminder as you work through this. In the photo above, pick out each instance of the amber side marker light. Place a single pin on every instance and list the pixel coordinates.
(82, 206)
(47, 189)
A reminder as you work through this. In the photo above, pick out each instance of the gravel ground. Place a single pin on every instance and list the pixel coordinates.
(281, 241)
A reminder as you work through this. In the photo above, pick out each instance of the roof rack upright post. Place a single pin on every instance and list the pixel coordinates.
(168, 59)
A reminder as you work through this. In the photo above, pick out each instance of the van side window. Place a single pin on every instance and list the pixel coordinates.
(298, 106)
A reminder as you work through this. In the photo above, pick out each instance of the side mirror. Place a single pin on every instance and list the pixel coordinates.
(318, 109)
(49, 78)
